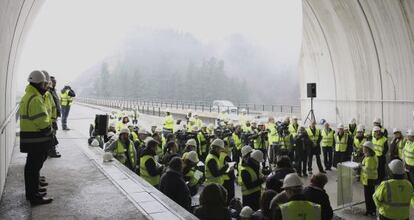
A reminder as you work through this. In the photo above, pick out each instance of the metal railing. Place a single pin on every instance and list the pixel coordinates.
(202, 106)
(9, 118)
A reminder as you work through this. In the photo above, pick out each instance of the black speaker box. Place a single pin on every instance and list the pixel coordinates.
(311, 90)
(101, 124)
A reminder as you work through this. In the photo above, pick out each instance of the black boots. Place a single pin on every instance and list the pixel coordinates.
(53, 153)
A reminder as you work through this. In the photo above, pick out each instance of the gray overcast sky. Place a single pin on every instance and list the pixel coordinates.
(68, 36)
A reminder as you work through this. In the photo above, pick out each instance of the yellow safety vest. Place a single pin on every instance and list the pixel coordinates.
(259, 143)
(153, 180)
(121, 151)
(369, 169)
(65, 99)
(401, 145)
(202, 143)
(193, 181)
(300, 210)
(392, 198)
(34, 117)
(409, 153)
(222, 161)
(341, 143)
(359, 143)
(273, 135)
(327, 138)
(379, 145)
(209, 177)
(237, 141)
(50, 106)
(169, 122)
(293, 130)
(254, 177)
(313, 137)
(284, 142)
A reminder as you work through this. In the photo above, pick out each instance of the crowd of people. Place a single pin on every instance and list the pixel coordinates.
(40, 107)
(267, 160)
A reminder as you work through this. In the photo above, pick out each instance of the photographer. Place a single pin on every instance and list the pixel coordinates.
(260, 141)
(301, 150)
(285, 140)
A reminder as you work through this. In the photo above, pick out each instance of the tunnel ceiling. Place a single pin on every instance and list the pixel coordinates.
(360, 53)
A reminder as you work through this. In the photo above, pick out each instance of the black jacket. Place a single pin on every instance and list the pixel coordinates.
(152, 168)
(319, 196)
(303, 145)
(276, 179)
(212, 213)
(172, 185)
(56, 100)
(247, 179)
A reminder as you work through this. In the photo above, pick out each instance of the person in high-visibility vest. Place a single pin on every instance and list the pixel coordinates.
(397, 145)
(377, 123)
(392, 197)
(352, 128)
(315, 136)
(369, 175)
(123, 150)
(297, 207)
(252, 180)
(149, 169)
(260, 140)
(236, 140)
(229, 177)
(189, 171)
(53, 152)
(409, 154)
(358, 142)
(245, 155)
(35, 135)
(66, 99)
(327, 144)
(342, 144)
(203, 139)
(294, 126)
(168, 123)
(381, 148)
(214, 171)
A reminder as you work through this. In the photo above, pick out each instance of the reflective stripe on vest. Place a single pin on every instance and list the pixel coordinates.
(341, 143)
(313, 137)
(222, 161)
(379, 145)
(359, 143)
(253, 178)
(209, 177)
(121, 151)
(369, 169)
(153, 180)
(327, 138)
(300, 210)
(398, 195)
(409, 153)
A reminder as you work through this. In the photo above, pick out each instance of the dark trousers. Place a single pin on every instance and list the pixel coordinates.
(65, 114)
(252, 200)
(368, 192)
(327, 157)
(301, 162)
(229, 186)
(411, 173)
(318, 160)
(264, 151)
(34, 162)
(381, 168)
(339, 157)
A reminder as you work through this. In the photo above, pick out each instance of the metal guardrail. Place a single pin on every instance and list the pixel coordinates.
(147, 105)
(9, 118)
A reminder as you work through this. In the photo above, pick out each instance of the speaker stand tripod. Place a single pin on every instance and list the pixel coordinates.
(311, 115)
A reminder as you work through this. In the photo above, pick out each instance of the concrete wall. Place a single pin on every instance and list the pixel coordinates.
(361, 55)
(15, 17)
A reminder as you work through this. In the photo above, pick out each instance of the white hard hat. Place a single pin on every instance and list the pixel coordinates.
(107, 157)
(203, 125)
(410, 132)
(360, 127)
(191, 142)
(158, 130)
(194, 128)
(47, 76)
(340, 126)
(243, 110)
(377, 120)
(193, 157)
(148, 140)
(142, 131)
(36, 77)
(110, 134)
(167, 110)
(257, 155)
(112, 124)
(395, 130)
(218, 142)
(292, 180)
(124, 131)
(129, 124)
(397, 167)
(210, 126)
(261, 123)
(376, 128)
(246, 150)
(246, 212)
(369, 144)
(352, 121)
(95, 143)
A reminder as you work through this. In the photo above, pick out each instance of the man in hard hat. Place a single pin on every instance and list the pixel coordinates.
(35, 135)
(123, 150)
(204, 141)
(168, 123)
(246, 213)
(369, 176)
(236, 141)
(66, 99)
(190, 145)
(214, 171)
(272, 138)
(52, 89)
(358, 142)
(252, 180)
(303, 145)
(245, 155)
(409, 154)
(316, 193)
(297, 206)
(294, 126)
(377, 122)
(285, 140)
(352, 127)
(172, 184)
(342, 144)
(381, 148)
(260, 140)
(315, 136)
(189, 170)
(275, 180)
(149, 169)
(327, 144)
(228, 177)
(397, 145)
(157, 135)
(392, 197)
(122, 123)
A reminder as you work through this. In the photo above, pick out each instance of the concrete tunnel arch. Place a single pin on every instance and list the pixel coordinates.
(360, 52)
